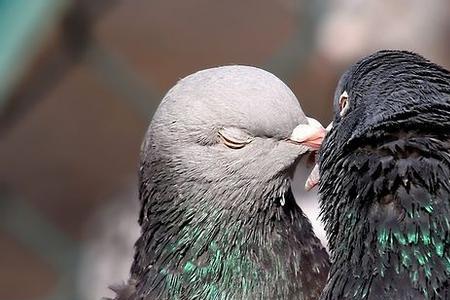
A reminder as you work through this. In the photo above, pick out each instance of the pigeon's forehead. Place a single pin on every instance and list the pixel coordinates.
(239, 96)
(382, 64)
(392, 76)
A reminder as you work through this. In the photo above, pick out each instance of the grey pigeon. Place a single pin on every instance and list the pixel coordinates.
(218, 218)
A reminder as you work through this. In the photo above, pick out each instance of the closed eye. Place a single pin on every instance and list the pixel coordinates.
(234, 138)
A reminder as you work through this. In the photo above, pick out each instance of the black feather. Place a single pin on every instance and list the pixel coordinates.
(385, 190)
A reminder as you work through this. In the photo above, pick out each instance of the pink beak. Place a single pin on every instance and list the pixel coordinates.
(311, 134)
(314, 177)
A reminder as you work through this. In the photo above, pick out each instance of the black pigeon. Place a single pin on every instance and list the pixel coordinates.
(218, 218)
(384, 186)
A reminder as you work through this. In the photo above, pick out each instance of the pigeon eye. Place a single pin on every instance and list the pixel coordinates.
(234, 138)
(343, 103)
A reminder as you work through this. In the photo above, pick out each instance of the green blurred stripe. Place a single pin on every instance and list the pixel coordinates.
(116, 73)
(294, 55)
(23, 25)
(32, 230)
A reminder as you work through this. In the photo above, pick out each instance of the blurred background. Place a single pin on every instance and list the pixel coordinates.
(80, 80)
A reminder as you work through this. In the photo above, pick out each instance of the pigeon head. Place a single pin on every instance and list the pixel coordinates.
(384, 169)
(218, 217)
(229, 129)
(386, 90)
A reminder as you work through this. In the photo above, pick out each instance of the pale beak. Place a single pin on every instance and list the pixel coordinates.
(311, 134)
(314, 177)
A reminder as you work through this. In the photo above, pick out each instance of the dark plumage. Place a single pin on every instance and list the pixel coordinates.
(218, 217)
(385, 190)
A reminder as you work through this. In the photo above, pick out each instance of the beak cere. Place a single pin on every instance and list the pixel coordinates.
(311, 134)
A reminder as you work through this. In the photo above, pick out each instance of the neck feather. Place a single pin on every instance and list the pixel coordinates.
(389, 215)
(236, 248)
